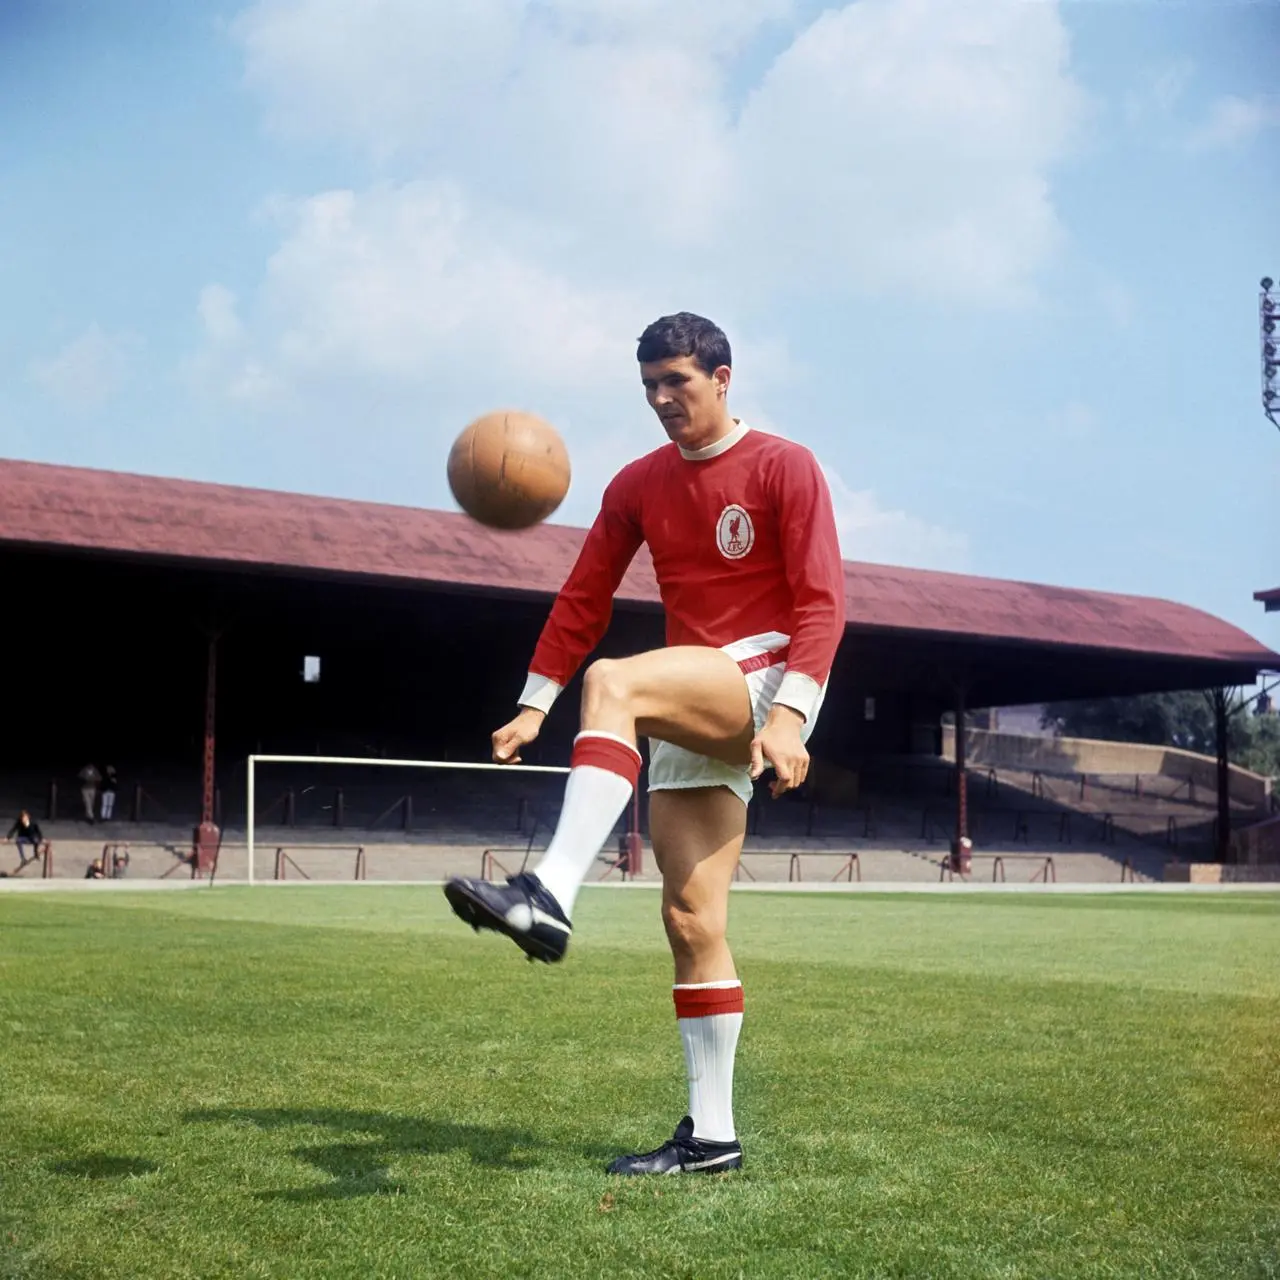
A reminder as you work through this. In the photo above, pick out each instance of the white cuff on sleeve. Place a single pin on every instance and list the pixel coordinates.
(540, 693)
(799, 692)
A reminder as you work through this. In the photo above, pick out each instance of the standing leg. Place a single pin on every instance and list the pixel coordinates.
(697, 841)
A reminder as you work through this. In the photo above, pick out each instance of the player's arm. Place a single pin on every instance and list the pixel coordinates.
(579, 617)
(815, 573)
(584, 605)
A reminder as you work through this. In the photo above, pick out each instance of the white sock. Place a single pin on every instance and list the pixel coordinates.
(602, 778)
(709, 1015)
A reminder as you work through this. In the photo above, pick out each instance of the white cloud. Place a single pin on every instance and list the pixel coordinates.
(217, 310)
(893, 144)
(381, 74)
(720, 27)
(89, 370)
(584, 116)
(1158, 91)
(401, 282)
(902, 143)
(226, 364)
(1234, 121)
(397, 75)
(402, 291)
(870, 532)
(400, 286)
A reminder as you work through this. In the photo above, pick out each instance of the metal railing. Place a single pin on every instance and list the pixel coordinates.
(284, 859)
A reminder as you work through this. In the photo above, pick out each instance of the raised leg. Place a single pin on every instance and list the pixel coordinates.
(694, 697)
(686, 695)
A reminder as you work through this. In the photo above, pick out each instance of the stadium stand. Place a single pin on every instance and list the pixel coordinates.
(424, 622)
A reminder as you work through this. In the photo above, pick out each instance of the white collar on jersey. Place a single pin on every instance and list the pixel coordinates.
(723, 445)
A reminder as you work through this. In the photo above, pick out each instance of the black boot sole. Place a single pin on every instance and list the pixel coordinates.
(471, 910)
(724, 1166)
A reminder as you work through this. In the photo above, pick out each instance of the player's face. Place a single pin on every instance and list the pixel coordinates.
(689, 402)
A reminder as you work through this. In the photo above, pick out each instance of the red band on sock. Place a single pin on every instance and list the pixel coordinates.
(706, 1002)
(607, 753)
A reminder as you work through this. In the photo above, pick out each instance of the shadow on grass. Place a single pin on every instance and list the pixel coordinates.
(360, 1168)
(101, 1165)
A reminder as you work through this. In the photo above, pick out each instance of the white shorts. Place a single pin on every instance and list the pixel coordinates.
(672, 768)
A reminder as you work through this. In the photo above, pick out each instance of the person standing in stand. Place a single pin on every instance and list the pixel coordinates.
(89, 778)
(110, 784)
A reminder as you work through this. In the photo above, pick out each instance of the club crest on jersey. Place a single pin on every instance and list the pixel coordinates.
(735, 534)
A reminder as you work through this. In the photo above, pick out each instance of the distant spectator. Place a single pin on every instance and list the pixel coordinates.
(119, 863)
(109, 784)
(89, 780)
(95, 871)
(26, 830)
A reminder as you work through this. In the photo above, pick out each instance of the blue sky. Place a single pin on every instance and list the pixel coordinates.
(995, 262)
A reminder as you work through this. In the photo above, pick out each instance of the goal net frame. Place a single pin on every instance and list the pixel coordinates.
(363, 761)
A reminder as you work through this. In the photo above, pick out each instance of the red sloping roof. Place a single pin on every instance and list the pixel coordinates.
(919, 599)
(185, 519)
(180, 519)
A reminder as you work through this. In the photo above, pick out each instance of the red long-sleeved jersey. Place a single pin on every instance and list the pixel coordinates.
(743, 540)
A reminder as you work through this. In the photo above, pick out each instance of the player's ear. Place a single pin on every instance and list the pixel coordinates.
(722, 377)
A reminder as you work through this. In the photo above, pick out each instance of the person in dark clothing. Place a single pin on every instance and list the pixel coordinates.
(95, 871)
(26, 831)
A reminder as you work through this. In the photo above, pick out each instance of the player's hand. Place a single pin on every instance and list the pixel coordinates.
(515, 734)
(779, 743)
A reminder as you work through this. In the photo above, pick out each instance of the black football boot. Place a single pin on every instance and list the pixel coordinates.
(683, 1154)
(522, 909)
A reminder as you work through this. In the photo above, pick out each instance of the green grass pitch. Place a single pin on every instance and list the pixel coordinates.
(344, 1081)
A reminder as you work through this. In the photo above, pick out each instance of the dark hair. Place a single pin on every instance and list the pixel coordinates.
(685, 334)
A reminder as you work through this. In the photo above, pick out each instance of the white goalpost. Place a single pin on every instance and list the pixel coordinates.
(366, 762)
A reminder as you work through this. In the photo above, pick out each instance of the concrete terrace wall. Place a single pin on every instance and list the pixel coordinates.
(1258, 845)
(1217, 873)
(1093, 756)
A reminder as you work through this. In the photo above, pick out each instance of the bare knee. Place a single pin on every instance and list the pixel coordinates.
(693, 932)
(606, 683)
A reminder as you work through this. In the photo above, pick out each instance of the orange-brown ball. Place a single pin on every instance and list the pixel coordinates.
(509, 470)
